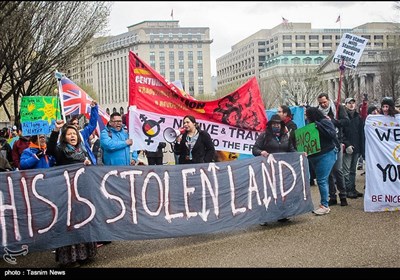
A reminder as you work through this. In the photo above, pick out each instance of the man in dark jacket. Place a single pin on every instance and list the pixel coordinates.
(286, 116)
(353, 139)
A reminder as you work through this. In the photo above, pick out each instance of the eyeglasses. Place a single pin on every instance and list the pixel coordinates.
(117, 121)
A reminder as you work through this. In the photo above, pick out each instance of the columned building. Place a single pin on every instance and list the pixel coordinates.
(290, 61)
(177, 53)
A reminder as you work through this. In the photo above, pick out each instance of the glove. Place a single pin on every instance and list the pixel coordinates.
(349, 150)
(40, 153)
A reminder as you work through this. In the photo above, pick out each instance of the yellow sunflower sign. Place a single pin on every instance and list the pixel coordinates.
(38, 114)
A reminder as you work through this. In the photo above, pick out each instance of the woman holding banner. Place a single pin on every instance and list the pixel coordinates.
(324, 160)
(194, 145)
(70, 150)
(274, 139)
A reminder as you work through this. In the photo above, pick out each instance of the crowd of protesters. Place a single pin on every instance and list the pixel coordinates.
(340, 128)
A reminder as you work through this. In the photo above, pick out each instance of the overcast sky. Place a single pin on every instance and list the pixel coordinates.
(231, 22)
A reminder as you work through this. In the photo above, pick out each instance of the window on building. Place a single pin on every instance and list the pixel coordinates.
(296, 60)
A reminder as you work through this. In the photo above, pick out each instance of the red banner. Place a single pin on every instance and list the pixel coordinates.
(148, 90)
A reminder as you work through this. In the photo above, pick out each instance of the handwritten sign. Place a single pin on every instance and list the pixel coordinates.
(307, 139)
(38, 114)
(350, 50)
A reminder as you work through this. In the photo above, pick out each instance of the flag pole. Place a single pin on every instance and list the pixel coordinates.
(59, 76)
(341, 68)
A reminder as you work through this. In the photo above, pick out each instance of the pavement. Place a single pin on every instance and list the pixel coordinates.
(347, 237)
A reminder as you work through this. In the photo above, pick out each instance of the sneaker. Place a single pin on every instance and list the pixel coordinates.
(321, 210)
(284, 220)
(332, 201)
(343, 202)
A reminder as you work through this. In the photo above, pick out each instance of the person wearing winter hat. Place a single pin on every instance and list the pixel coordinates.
(387, 107)
(373, 110)
(274, 139)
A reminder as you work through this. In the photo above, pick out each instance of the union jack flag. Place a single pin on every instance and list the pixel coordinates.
(76, 101)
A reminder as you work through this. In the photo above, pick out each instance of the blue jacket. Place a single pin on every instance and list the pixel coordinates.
(115, 149)
(88, 130)
(30, 161)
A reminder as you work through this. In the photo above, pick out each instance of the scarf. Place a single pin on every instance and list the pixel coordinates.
(325, 112)
(75, 153)
(43, 147)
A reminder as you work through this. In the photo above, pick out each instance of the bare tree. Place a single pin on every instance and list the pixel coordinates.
(295, 87)
(390, 72)
(40, 36)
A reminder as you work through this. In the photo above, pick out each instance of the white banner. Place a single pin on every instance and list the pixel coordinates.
(350, 49)
(147, 129)
(382, 152)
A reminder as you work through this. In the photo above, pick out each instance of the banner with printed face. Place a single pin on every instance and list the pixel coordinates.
(149, 91)
(44, 209)
(148, 130)
(382, 168)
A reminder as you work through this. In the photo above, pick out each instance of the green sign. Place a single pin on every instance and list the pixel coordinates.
(38, 114)
(307, 139)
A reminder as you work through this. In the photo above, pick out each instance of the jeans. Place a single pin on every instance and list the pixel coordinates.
(322, 165)
(336, 177)
(349, 171)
